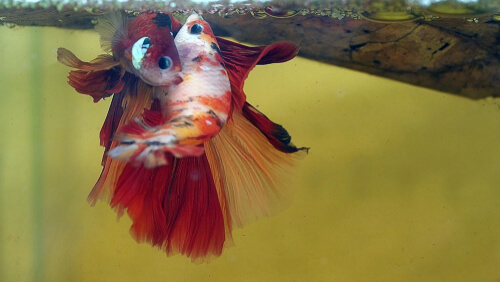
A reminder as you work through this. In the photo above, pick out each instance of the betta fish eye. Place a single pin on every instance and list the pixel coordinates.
(145, 44)
(165, 63)
(139, 49)
(196, 29)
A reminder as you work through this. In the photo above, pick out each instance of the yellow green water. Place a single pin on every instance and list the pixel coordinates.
(401, 183)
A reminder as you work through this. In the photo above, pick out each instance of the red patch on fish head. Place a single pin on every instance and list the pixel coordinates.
(158, 27)
(162, 53)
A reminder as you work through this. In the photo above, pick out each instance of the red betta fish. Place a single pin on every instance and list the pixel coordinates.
(190, 204)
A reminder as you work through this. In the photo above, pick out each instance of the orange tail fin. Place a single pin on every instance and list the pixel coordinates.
(249, 172)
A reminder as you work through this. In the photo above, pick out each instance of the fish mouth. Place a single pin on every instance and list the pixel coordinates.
(178, 80)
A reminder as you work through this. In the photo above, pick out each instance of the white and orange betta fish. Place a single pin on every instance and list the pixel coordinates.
(190, 160)
(194, 111)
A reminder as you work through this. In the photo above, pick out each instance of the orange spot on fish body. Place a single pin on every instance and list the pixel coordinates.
(208, 124)
(206, 38)
(177, 103)
(218, 104)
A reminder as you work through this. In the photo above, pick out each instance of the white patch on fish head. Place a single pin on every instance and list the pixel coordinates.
(139, 50)
(191, 40)
(185, 38)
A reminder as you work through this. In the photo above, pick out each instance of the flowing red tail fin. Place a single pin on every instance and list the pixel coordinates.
(174, 207)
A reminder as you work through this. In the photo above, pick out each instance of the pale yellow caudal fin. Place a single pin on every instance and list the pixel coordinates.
(252, 177)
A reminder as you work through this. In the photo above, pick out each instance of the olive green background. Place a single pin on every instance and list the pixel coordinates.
(401, 183)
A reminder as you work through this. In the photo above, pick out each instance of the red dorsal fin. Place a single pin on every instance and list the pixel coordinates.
(275, 133)
(240, 60)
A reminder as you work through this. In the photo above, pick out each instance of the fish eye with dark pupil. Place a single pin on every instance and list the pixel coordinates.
(165, 63)
(146, 43)
(196, 29)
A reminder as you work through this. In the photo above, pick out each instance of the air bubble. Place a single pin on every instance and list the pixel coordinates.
(259, 14)
(454, 8)
(280, 13)
(400, 16)
(472, 20)
(496, 17)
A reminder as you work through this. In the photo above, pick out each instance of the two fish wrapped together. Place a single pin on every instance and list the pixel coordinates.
(185, 155)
